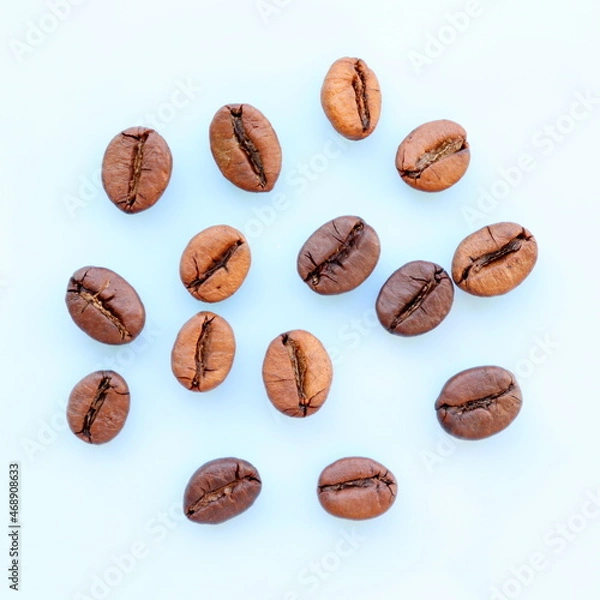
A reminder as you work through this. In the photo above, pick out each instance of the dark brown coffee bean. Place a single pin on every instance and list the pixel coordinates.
(339, 256)
(494, 260)
(245, 147)
(297, 373)
(479, 402)
(215, 263)
(220, 490)
(136, 169)
(98, 407)
(203, 352)
(415, 299)
(351, 98)
(105, 306)
(434, 156)
(356, 488)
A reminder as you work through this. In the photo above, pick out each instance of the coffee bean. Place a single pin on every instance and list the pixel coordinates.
(203, 352)
(351, 98)
(215, 263)
(136, 169)
(356, 488)
(494, 260)
(415, 299)
(105, 306)
(434, 156)
(98, 407)
(479, 402)
(245, 147)
(339, 256)
(220, 490)
(297, 373)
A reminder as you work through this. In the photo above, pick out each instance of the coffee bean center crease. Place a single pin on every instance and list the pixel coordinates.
(484, 403)
(201, 352)
(95, 406)
(443, 150)
(298, 361)
(215, 495)
(247, 145)
(218, 263)
(137, 161)
(359, 83)
(365, 482)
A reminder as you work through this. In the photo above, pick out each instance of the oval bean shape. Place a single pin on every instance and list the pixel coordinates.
(434, 156)
(415, 299)
(339, 256)
(494, 260)
(351, 98)
(297, 373)
(105, 306)
(98, 407)
(215, 263)
(203, 352)
(220, 490)
(245, 147)
(136, 169)
(479, 402)
(356, 488)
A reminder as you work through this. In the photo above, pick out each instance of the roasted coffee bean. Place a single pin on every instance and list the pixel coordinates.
(215, 263)
(479, 402)
(297, 373)
(351, 98)
(245, 147)
(356, 488)
(136, 169)
(339, 256)
(203, 352)
(98, 407)
(415, 299)
(220, 490)
(105, 306)
(434, 156)
(494, 260)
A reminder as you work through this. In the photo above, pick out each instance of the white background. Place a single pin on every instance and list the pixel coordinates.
(466, 513)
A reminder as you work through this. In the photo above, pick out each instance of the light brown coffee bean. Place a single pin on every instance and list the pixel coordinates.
(136, 169)
(98, 407)
(203, 352)
(434, 156)
(479, 402)
(245, 147)
(297, 373)
(494, 260)
(351, 98)
(356, 488)
(215, 263)
(105, 306)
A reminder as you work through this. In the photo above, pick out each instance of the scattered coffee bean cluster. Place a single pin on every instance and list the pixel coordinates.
(336, 258)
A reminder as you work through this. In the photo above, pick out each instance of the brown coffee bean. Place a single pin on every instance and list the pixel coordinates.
(245, 147)
(351, 98)
(98, 407)
(203, 352)
(105, 306)
(215, 263)
(220, 490)
(434, 156)
(297, 373)
(339, 256)
(494, 260)
(136, 169)
(479, 402)
(356, 488)
(415, 299)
